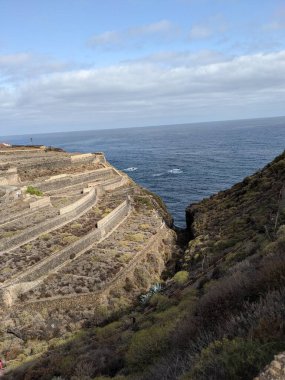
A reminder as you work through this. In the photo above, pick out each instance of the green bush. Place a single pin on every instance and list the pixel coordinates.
(34, 191)
(181, 277)
(108, 331)
(146, 346)
(224, 244)
(144, 201)
(160, 301)
(236, 359)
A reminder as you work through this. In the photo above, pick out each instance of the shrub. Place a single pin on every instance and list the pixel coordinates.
(69, 239)
(181, 277)
(84, 370)
(34, 191)
(146, 346)
(46, 237)
(108, 331)
(160, 301)
(281, 231)
(270, 248)
(125, 258)
(144, 201)
(236, 359)
(138, 237)
(76, 225)
(144, 226)
(223, 244)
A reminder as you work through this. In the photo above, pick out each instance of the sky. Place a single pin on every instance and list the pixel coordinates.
(94, 64)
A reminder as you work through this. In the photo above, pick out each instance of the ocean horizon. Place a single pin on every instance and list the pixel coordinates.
(182, 163)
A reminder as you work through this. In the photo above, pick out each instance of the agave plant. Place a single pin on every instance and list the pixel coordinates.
(155, 288)
(144, 298)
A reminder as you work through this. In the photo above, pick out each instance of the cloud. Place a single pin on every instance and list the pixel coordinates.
(24, 66)
(182, 58)
(200, 31)
(163, 27)
(160, 30)
(14, 59)
(132, 94)
(106, 39)
(216, 25)
(277, 22)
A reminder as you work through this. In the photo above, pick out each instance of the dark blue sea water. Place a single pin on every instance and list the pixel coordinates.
(182, 163)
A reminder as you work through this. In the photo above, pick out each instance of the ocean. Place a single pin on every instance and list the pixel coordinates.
(181, 163)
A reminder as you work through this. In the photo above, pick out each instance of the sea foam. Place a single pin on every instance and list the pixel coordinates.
(175, 171)
(132, 169)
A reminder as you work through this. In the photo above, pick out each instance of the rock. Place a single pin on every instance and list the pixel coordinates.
(275, 370)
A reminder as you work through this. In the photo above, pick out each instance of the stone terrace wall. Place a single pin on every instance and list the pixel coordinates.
(74, 206)
(54, 261)
(49, 164)
(43, 202)
(114, 217)
(82, 157)
(44, 267)
(57, 176)
(99, 297)
(12, 216)
(111, 221)
(118, 182)
(50, 225)
(74, 180)
(100, 157)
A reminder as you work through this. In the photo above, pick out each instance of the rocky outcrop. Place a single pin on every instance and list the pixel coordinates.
(275, 370)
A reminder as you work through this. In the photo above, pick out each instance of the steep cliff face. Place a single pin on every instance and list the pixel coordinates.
(220, 317)
(230, 226)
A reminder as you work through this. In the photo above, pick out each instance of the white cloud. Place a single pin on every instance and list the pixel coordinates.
(106, 39)
(147, 93)
(214, 26)
(160, 30)
(23, 66)
(200, 31)
(182, 58)
(160, 27)
(14, 59)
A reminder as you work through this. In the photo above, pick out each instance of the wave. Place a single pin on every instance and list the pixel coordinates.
(132, 169)
(175, 171)
(157, 175)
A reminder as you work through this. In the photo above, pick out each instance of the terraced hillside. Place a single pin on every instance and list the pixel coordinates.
(219, 315)
(78, 240)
